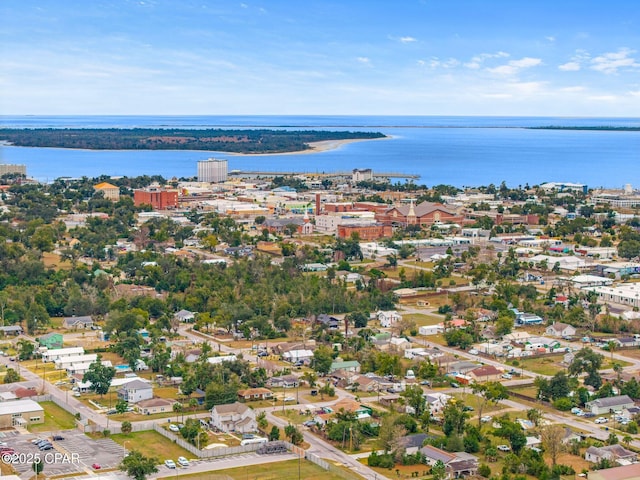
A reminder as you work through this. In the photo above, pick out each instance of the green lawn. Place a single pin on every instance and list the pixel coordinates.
(422, 319)
(271, 471)
(151, 443)
(55, 418)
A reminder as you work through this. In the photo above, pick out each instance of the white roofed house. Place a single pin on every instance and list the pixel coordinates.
(388, 318)
(296, 355)
(78, 322)
(613, 453)
(609, 404)
(560, 330)
(185, 316)
(234, 417)
(135, 391)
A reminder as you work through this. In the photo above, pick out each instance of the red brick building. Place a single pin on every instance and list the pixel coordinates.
(158, 198)
(366, 232)
(424, 214)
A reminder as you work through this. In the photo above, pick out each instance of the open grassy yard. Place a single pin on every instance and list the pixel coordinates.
(550, 365)
(423, 319)
(268, 471)
(55, 418)
(152, 444)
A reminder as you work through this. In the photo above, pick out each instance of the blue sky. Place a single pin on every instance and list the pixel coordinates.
(351, 57)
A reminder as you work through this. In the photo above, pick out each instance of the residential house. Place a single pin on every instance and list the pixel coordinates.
(185, 316)
(437, 401)
(298, 356)
(457, 464)
(560, 330)
(284, 381)
(613, 453)
(485, 373)
(627, 342)
(234, 417)
(388, 318)
(135, 391)
(399, 343)
(11, 330)
(347, 366)
(250, 394)
(51, 340)
(332, 323)
(431, 330)
(78, 322)
(626, 472)
(609, 404)
(413, 443)
(154, 405)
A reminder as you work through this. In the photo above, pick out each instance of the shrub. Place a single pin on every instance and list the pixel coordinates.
(484, 470)
(563, 404)
(384, 460)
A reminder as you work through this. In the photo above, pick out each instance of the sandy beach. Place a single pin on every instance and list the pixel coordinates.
(316, 147)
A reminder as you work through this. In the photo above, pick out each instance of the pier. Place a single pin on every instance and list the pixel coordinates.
(257, 173)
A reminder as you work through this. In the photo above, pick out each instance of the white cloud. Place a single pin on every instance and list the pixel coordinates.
(408, 39)
(569, 67)
(634, 93)
(364, 60)
(550, 38)
(244, 5)
(514, 66)
(477, 60)
(575, 89)
(576, 61)
(603, 98)
(435, 62)
(611, 62)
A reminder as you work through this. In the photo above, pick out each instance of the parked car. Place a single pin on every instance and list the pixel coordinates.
(473, 351)
(600, 420)
(96, 466)
(263, 354)
(45, 446)
(174, 428)
(309, 423)
(486, 418)
(467, 408)
(170, 463)
(58, 437)
(508, 376)
(183, 462)
(504, 448)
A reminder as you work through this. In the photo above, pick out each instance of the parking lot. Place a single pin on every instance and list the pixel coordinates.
(76, 453)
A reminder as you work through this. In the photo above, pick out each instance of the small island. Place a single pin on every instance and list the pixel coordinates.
(257, 141)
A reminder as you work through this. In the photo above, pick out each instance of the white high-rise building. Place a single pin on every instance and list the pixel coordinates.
(212, 170)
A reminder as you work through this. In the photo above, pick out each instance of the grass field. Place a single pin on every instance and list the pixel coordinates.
(55, 418)
(151, 444)
(553, 364)
(423, 319)
(268, 471)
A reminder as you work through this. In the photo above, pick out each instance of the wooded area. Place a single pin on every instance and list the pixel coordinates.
(237, 141)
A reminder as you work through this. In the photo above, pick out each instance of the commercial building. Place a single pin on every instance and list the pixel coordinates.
(20, 413)
(109, 191)
(212, 170)
(158, 198)
(7, 168)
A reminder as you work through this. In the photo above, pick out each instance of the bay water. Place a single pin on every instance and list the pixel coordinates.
(460, 151)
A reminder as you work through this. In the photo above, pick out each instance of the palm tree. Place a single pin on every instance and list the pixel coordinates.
(627, 440)
(611, 346)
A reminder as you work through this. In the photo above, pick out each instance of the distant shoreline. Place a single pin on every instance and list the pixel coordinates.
(314, 147)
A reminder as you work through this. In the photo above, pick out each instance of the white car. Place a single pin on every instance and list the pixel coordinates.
(289, 399)
(600, 420)
(170, 463)
(508, 376)
(183, 462)
(485, 419)
(174, 428)
(473, 351)
(504, 448)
